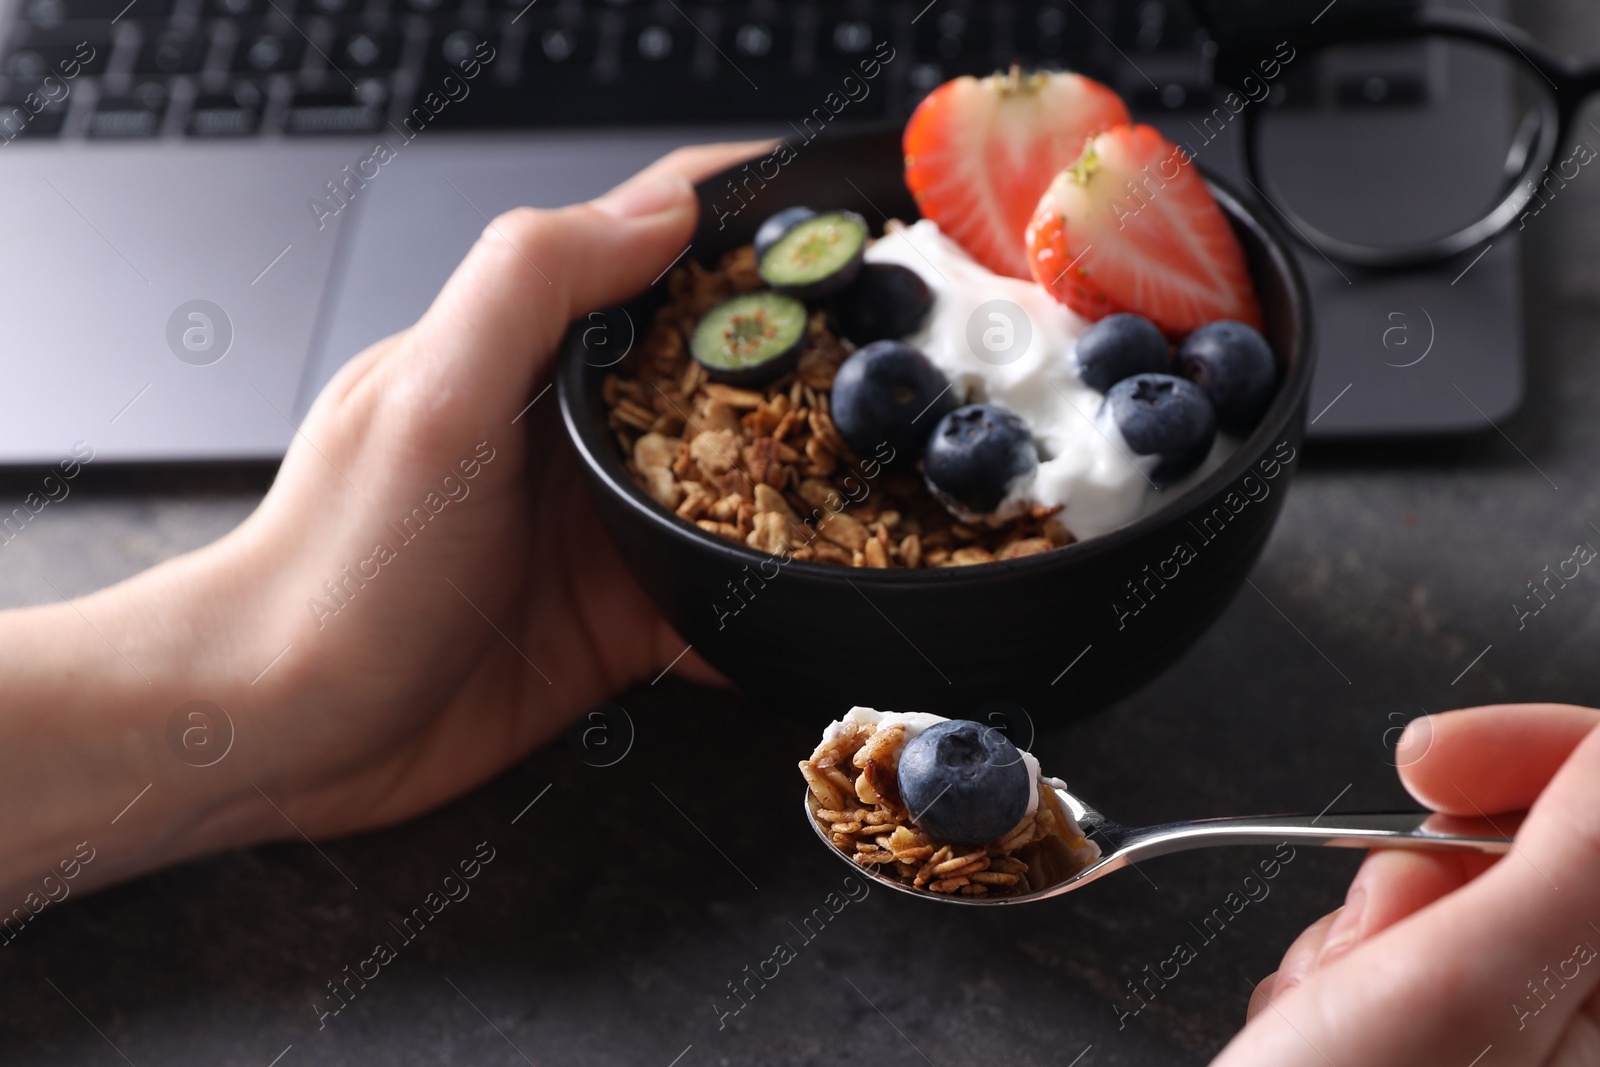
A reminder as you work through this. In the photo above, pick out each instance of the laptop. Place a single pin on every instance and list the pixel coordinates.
(209, 205)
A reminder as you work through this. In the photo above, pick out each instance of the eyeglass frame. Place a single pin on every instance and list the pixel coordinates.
(1572, 84)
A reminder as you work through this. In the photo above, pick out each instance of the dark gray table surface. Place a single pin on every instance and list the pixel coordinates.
(607, 928)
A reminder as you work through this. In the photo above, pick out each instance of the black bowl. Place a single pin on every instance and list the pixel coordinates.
(1062, 633)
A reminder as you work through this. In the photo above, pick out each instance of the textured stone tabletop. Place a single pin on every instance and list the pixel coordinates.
(607, 928)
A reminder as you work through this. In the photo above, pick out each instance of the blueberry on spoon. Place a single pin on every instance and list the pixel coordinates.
(1159, 415)
(963, 782)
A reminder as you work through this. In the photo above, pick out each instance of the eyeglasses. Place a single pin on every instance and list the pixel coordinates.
(1398, 143)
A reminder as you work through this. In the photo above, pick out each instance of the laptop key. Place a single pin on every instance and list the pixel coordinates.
(171, 52)
(1383, 75)
(1155, 26)
(1169, 94)
(1053, 32)
(359, 110)
(1298, 87)
(449, 51)
(758, 42)
(232, 9)
(50, 13)
(961, 42)
(328, 8)
(427, 7)
(236, 113)
(843, 40)
(560, 46)
(1387, 88)
(656, 44)
(66, 55)
(270, 52)
(1059, 38)
(138, 114)
(369, 50)
(31, 116)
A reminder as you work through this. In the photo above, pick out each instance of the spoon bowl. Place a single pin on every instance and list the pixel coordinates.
(1123, 846)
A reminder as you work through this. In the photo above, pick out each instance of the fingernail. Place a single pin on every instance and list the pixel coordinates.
(1346, 929)
(646, 194)
(1414, 742)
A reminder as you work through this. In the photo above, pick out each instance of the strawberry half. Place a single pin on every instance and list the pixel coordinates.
(1131, 226)
(980, 153)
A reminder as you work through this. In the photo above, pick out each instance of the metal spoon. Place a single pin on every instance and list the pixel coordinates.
(1121, 845)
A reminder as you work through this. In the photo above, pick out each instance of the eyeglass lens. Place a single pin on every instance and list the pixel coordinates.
(1394, 145)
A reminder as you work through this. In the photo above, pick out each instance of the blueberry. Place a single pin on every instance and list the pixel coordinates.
(752, 338)
(1233, 365)
(1160, 415)
(777, 225)
(976, 454)
(817, 256)
(963, 782)
(888, 391)
(885, 303)
(1120, 346)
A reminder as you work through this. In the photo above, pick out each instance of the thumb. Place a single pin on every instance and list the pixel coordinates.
(1501, 963)
(491, 333)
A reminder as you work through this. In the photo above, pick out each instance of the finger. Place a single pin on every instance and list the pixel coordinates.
(1261, 996)
(1391, 885)
(1490, 759)
(692, 162)
(557, 264)
(1560, 839)
(702, 160)
(676, 656)
(494, 327)
(1436, 986)
(1300, 961)
(694, 667)
(492, 331)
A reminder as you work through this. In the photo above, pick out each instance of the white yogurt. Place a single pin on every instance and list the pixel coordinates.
(1086, 466)
(917, 721)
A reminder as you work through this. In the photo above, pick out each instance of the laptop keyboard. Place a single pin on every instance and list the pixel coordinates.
(115, 69)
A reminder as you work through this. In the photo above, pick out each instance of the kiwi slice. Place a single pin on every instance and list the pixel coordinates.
(750, 338)
(817, 256)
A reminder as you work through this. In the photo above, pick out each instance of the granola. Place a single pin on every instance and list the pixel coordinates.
(855, 800)
(766, 467)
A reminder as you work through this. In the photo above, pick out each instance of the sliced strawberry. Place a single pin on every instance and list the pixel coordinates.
(1131, 226)
(980, 153)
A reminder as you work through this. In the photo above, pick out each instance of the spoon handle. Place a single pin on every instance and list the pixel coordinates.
(1397, 829)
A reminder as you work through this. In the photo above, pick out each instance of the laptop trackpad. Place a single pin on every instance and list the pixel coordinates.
(163, 297)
